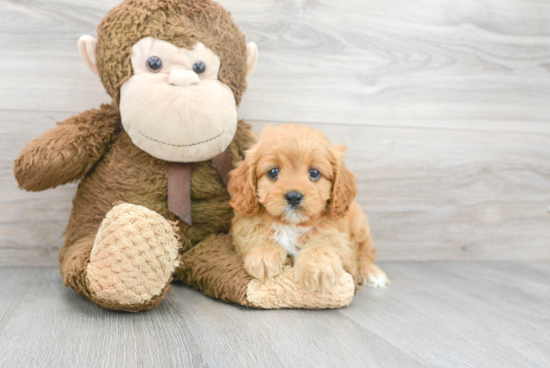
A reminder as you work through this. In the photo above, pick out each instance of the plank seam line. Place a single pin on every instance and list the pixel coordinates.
(338, 123)
(404, 126)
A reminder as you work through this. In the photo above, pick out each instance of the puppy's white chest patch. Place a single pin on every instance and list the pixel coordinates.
(287, 236)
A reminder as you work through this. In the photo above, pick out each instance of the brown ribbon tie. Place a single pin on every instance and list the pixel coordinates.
(179, 184)
(179, 190)
(224, 165)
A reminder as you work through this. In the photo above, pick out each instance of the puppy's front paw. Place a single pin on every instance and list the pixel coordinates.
(371, 275)
(318, 270)
(264, 263)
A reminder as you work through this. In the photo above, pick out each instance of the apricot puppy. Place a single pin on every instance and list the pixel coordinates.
(293, 196)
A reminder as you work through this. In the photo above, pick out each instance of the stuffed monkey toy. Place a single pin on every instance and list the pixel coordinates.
(152, 206)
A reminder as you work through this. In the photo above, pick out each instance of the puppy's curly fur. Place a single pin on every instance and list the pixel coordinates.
(293, 196)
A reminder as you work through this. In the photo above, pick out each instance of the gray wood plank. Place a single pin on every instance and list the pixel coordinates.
(467, 307)
(469, 64)
(465, 195)
(448, 314)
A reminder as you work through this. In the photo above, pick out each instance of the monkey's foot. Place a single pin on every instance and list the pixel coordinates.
(134, 255)
(286, 292)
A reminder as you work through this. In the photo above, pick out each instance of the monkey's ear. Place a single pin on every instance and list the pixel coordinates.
(251, 57)
(87, 46)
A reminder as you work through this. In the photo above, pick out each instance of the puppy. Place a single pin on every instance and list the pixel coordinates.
(294, 196)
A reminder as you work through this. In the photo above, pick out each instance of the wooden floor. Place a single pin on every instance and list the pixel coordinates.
(445, 314)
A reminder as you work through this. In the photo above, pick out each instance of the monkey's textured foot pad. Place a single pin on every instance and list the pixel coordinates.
(134, 255)
(285, 292)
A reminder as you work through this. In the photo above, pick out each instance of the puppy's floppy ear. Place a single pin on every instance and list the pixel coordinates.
(344, 187)
(242, 187)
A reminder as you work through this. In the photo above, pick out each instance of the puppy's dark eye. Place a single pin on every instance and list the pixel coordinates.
(314, 174)
(273, 173)
(199, 67)
(154, 64)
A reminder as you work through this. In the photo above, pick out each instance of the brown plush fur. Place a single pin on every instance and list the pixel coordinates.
(182, 23)
(94, 148)
(124, 173)
(84, 138)
(224, 279)
(327, 231)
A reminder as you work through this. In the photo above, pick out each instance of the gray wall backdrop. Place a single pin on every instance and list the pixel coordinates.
(444, 105)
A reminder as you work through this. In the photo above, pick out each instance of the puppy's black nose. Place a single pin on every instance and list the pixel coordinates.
(294, 198)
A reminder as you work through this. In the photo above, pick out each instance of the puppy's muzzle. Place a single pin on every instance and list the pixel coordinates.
(294, 198)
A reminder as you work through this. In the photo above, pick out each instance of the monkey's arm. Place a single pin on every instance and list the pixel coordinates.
(68, 151)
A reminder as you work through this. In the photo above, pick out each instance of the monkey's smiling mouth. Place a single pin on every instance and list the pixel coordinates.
(183, 145)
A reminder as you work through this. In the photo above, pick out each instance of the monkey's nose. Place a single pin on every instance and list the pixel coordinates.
(294, 198)
(183, 78)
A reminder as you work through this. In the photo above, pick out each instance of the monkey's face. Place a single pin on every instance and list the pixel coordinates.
(173, 106)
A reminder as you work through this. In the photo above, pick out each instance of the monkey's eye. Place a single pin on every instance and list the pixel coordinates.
(273, 174)
(314, 174)
(199, 67)
(154, 64)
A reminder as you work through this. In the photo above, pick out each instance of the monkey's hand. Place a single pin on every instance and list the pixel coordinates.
(68, 151)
